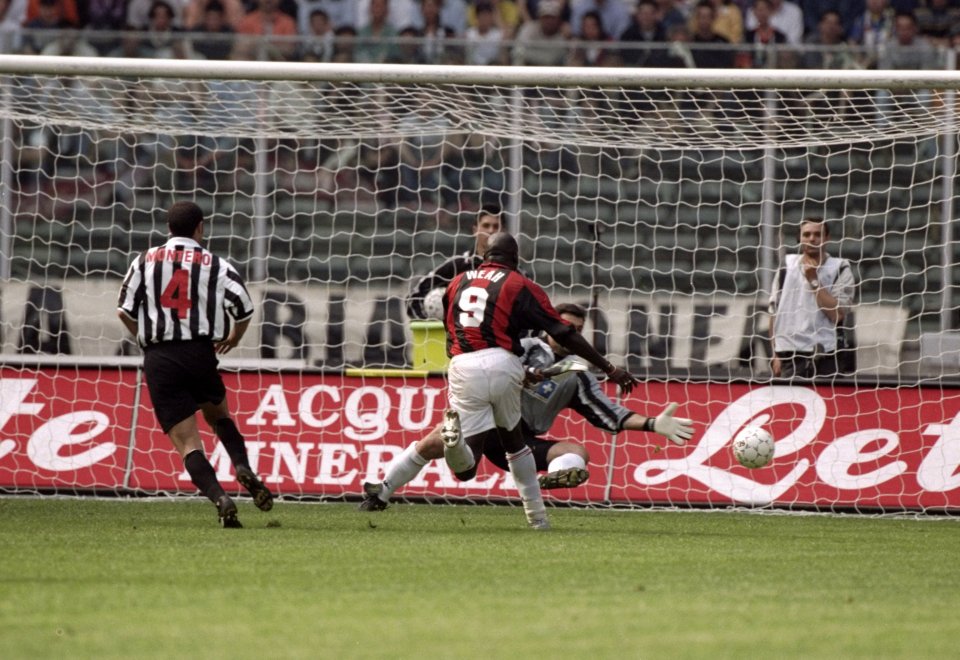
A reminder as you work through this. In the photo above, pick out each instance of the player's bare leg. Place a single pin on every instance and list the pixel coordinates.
(185, 436)
(523, 467)
(218, 417)
(566, 466)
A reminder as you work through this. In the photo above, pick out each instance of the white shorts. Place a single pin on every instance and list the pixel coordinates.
(485, 388)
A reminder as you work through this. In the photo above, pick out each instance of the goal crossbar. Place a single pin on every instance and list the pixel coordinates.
(480, 75)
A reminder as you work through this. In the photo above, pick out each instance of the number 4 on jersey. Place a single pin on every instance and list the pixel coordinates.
(177, 293)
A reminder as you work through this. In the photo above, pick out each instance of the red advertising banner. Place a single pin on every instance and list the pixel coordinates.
(68, 429)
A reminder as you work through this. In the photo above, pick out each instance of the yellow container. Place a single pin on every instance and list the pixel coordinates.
(429, 345)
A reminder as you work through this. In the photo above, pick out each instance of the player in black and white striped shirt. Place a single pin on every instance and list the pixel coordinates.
(175, 299)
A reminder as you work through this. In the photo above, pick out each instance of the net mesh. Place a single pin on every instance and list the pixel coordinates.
(649, 205)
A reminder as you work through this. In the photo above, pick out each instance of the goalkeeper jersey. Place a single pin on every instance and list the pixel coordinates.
(579, 390)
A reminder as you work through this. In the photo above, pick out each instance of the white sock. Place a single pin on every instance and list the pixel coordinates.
(459, 457)
(565, 462)
(523, 467)
(402, 471)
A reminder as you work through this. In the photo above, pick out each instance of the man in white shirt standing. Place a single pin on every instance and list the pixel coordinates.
(811, 297)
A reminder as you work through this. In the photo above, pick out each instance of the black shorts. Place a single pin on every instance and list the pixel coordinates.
(180, 376)
(493, 450)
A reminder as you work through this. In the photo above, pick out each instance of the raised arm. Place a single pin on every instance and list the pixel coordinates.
(576, 344)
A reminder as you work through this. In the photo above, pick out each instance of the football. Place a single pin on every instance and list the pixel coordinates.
(433, 304)
(753, 447)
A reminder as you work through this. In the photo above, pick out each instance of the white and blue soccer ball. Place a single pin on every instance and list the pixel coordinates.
(753, 447)
(433, 304)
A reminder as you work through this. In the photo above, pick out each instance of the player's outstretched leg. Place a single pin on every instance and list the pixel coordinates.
(262, 497)
(371, 498)
(566, 478)
(566, 470)
(402, 470)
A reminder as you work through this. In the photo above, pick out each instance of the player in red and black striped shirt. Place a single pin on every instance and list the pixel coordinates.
(487, 311)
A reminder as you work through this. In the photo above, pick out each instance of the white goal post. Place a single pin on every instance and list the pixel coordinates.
(663, 199)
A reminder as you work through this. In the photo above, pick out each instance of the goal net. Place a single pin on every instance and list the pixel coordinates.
(662, 200)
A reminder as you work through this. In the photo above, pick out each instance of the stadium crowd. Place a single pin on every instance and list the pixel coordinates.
(674, 33)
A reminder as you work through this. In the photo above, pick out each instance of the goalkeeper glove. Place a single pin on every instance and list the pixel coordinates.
(675, 429)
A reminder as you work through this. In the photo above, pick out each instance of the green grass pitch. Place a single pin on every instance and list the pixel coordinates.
(159, 579)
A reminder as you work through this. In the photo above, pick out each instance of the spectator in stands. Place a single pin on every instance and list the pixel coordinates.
(642, 42)
(195, 15)
(542, 42)
(195, 157)
(764, 39)
(679, 54)
(425, 154)
(319, 43)
(811, 299)
(271, 31)
(70, 43)
(12, 15)
(217, 43)
(375, 38)
(436, 47)
(344, 44)
(398, 14)
(907, 50)
(935, 20)
(786, 16)
(161, 39)
(813, 11)
(955, 43)
(68, 12)
(828, 50)
(104, 16)
(63, 148)
(709, 48)
(339, 13)
(614, 16)
(728, 21)
(138, 13)
(671, 14)
(37, 34)
(409, 48)
(872, 30)
(485, 38)
(829, 40)
(590, 51)
(482, 173)
(530, 12)
(506, 15)
(454, 14)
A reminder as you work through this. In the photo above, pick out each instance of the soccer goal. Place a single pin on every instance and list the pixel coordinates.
(662, 200)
